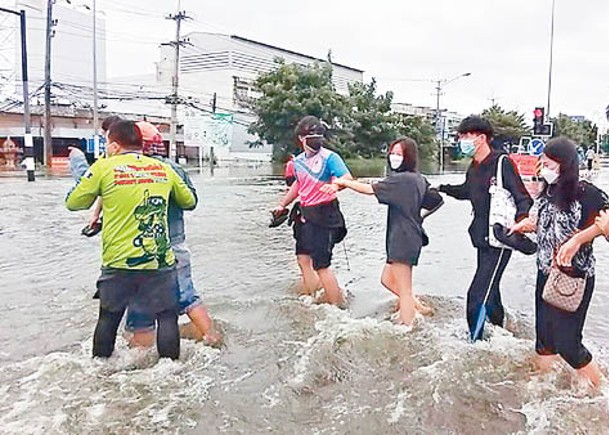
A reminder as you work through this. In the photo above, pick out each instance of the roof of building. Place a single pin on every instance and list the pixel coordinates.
(284, 50)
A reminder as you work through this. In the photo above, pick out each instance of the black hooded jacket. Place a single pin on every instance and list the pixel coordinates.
(476, 189)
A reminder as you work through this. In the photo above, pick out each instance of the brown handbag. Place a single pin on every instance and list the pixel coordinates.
(564, 291)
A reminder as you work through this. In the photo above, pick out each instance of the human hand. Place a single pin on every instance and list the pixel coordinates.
(567, 251)
(527, 225)
(340, 182)
(94, 218)
(329, 188)
(602, 221)
(278, 210)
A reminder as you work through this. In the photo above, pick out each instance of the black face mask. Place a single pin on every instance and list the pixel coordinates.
(313, 144)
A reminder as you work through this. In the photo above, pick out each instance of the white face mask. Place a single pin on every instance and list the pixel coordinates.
(549, 175)
(395, 161)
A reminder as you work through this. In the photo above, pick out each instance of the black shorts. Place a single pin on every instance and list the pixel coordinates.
(560, 332)
(144, 291)
(317, 242)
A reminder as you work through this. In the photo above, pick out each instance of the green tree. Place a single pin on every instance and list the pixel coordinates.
(581, 132)
(361, 124)
(424, 134)
(369, 124)
(509, 126)
(287, 94)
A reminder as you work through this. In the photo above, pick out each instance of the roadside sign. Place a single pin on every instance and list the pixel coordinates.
(91, 144)
(536, 147)
(526, 164)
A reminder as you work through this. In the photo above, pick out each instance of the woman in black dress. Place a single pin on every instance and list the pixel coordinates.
(406, 192)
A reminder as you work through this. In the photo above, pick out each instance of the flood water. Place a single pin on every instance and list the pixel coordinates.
(289, 367)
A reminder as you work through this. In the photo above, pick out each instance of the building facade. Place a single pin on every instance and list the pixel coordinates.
(71, 53)
(219, 71)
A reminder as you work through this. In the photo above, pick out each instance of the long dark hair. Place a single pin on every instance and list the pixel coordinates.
(409, 151)
(564, 151)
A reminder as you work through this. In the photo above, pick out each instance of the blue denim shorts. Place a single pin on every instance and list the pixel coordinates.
(189, 299)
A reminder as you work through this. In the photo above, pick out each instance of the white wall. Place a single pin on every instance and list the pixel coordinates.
(71, 50)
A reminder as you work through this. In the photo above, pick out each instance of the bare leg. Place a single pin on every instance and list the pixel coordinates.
(592, 373)
(204, 326)
(545, 363)
(402, 275)
(310, 280)
(389, 282)
(333, 294)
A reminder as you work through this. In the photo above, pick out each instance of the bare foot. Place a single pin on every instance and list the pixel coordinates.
(212, 338)
(141, 339)
(321, 297)
(545, 363)
(191, 332)
(422, 308)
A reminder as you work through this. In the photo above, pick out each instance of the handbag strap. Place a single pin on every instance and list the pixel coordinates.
(499, 177)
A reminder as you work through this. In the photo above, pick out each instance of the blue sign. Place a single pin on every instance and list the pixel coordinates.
(91, 145)
(536, 147)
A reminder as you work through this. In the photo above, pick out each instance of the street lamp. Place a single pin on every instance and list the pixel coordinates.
(440, 128)
(551, 58)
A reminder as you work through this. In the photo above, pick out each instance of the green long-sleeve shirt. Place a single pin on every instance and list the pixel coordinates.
(135, 190)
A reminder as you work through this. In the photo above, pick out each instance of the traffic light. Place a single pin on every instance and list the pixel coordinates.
(538, 116)
(539, 128)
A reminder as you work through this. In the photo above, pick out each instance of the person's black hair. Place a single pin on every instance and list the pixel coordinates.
(476, 124)
(311, 125)
(126, 134)
(108, 121)
(409, 152)
(563, 151)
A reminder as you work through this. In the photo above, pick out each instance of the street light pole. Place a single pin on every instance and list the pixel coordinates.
(551, 59)
(95, 112)
(48, 139)
(440, 128)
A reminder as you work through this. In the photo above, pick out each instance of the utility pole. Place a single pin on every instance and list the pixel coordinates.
(48, 141)
(27, 120)
(175, 81)
(95, 112)
(439, 129)
(30, 166)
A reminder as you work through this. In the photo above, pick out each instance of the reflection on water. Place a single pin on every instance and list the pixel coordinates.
(288, 366)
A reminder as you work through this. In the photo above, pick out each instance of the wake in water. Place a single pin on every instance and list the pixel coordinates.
(369, 373)
(132, 392)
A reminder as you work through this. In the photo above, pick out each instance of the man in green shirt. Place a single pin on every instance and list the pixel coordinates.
(138, 265)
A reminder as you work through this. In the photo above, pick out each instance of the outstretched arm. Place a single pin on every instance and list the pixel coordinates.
(457, 191)
(358, 186)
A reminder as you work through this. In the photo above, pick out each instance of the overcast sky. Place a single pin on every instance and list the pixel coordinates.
(504, 44)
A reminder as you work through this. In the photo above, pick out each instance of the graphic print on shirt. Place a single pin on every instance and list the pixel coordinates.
(152, 237)
(315, 171)
(132, 174)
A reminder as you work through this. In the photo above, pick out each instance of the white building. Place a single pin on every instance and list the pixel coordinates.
(71, 52)
(227, 66)
(449, 121)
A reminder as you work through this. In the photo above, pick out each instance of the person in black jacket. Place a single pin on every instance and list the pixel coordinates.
(475, 134)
